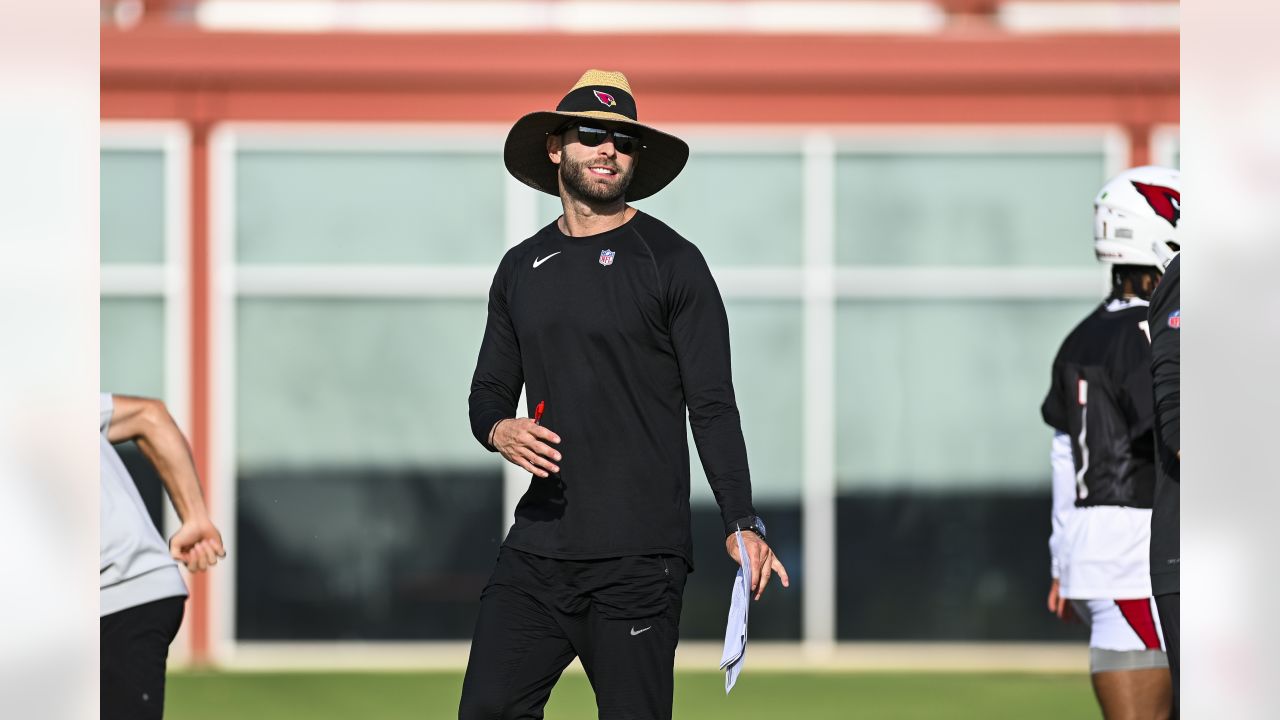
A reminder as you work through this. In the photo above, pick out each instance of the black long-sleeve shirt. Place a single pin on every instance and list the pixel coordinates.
(1166, 358)
(618, 333)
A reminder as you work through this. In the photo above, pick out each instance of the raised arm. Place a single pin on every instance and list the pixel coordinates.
(198, 543)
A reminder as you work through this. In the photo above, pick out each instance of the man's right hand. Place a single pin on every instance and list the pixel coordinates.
(197, 544)
(524, 442)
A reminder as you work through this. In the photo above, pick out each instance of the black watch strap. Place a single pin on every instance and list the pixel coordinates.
(750, 522)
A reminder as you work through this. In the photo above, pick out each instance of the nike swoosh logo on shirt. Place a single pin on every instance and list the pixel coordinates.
(634, 631)
(539, 261)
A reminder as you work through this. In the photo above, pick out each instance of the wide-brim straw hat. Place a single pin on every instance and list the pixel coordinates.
(598, 95)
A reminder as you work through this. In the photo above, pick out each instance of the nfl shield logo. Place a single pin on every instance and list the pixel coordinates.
(1175, 317)
(606, 257)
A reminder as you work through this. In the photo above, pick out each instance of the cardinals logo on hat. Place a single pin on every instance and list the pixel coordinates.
(605, 98)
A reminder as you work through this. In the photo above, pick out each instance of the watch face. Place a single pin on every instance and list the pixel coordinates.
(760, 524)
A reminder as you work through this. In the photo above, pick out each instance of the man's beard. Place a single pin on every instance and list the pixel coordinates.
(577, 180)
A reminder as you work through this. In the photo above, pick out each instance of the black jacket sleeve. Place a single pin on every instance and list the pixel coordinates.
(700, 338)
(499, 375)
(1165, 320)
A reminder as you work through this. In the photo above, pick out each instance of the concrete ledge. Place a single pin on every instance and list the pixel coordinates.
(691, 656)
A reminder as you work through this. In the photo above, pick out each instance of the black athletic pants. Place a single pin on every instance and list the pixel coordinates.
(621, 616)
(134, 650)
(1168, 607)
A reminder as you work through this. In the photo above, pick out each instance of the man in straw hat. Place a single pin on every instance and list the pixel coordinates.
(612, 324)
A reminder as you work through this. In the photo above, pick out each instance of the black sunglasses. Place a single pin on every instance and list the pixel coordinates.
(594, 136)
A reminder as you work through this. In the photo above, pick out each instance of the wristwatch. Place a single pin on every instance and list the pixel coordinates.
(751, 522)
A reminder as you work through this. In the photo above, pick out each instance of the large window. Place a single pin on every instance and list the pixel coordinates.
(132, 211)
(966, 209)
(945, 393)
(359, 272)
(966, 264)
(143, 307)
(410, 207)
(894, 304)
(745, 213)
(143, 303)
(133, 217)
(370, 511)
(357, 266)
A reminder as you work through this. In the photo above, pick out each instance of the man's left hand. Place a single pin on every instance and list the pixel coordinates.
(763, 562)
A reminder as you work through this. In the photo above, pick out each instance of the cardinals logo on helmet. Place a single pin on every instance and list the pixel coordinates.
(1167, 202)
(605, 98)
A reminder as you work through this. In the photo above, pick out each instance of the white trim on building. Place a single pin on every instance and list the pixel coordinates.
(818, 489)
(1166, 145)
(1091, 16)
(574, 16)
(222, 372)
(900, 17)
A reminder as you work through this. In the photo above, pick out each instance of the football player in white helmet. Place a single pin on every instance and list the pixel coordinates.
(1103, 453)
(1135, 217)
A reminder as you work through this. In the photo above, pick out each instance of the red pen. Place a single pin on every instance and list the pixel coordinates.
(537, 412)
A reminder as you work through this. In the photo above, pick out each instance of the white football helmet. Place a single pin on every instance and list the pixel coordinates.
(1135, 217)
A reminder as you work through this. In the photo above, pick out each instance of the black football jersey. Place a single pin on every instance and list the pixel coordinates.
(1100, 396)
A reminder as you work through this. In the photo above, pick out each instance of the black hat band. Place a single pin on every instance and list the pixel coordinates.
(599, 98)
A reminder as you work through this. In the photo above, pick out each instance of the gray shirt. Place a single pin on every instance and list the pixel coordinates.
(135, 565)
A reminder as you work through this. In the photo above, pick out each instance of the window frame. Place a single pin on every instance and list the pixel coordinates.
(1165, 143)
(817, 283)
(167, 281)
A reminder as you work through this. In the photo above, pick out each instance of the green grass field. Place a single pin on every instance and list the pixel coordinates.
(758, 696)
